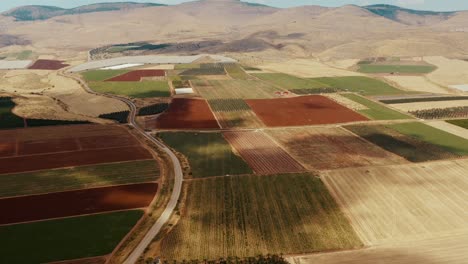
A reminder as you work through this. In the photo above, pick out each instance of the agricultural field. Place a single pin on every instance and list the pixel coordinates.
(376, 110)
(67, 179)
(137, 75)
(65, 239)
(431, 104)
(262, 154)
(304, 110)
(396, 203)
(234, 113)
(48, 65)
(289, 82)
(339, 98)
(417, 84)
(359, 84)
(185, 114)
(209, 154)
(412, 149)
(421, 99)
(449, 71)
(236, 72)
(442, 113)
(307, 68)
(331, 148)
(251, 215)
(396, 69)
(205, 70)
(448, 141)
(101, 75)
(450, 128)
(142, 89)
(461, 123)
(15, 64)
(234, 89)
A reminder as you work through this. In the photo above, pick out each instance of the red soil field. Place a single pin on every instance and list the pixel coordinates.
(70, 159)
(48, 65)
(47, 146)
(262, 154)
(186, 114)
(7, 149)
(303, 110)
(72, 203)
(135, 76)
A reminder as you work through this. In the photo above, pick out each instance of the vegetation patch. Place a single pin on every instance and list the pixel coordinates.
(143, 89)
(408, 69)
(121, 117)
(209, 154)
(236, 72)
(76, 178)
(375, 110)
(359, 84)
(101, 75)
(251, 215)
(324, 90)
(434, 136)
(228, 105)
(461, 123)
(290, 82)
(153, 109)
(65, 239)
(440, 113)
(424, 99)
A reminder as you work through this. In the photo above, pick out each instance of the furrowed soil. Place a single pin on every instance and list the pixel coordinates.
(262, 154)
(48, 65)
(251, 215)
(64, 204)
(332, 148)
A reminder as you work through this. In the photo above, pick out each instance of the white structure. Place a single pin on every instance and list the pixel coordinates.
(180, 91)
(99, 64)
(16, 64)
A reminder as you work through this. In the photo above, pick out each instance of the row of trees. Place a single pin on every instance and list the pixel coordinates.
(261, 259)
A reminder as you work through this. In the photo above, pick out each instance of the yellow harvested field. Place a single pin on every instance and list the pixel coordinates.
(346, 102)
(306, 69)
(452, 129)
(429, 105)
(390, 204)
(450, 249)
(417, 83)
(23, 81)
(159, 67)
(449, 72)
(343, 64)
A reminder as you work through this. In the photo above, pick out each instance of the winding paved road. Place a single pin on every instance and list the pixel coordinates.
(178, 174)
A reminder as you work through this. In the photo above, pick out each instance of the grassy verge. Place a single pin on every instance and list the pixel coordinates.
(359, 84)
(78, 178)
(209, 154)
(101, 75)
(376, 111)
(434, 136)
(461, 123)
(64, 239)
(377, 68)
(133, 89)
(252, 215)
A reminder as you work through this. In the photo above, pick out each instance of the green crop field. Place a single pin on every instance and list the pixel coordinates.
(65, 239)
(228, 105)
(376, 111)
(290, 82)
(236, 72)
(378, 68)
(251, 215)
(209, 154)
(460, 122)
(235, 89)
(412, 149)
(78, 178)
(133, 89)
(101, 75)
(362, 85)
(434, 136)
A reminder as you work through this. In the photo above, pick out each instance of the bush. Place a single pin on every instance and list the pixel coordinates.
(121, 117)
(153, 109)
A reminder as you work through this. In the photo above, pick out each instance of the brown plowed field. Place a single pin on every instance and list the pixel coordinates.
(186, 114)
(90, 201)
(304, 110)
(48, 65)
(262, 154)
(135, 76)
(7, 148)
(47, 146)
(70, 159)
(332, 148)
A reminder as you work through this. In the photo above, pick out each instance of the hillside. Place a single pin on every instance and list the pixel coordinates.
(37, 12)
(409, 16)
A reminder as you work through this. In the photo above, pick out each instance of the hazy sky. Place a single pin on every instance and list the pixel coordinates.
(416, 4)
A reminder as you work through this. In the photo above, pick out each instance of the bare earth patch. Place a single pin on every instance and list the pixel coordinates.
(417, 83)
(307, 69)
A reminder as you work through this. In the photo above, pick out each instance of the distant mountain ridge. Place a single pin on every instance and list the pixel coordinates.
(39, 12)
(409, 16)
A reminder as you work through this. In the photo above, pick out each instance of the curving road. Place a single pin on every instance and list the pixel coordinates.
(178, 174)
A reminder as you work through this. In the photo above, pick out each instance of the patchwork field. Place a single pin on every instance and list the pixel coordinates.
(234, 113)
(290, 82)
(186, 114)
(73, 203)
(376, 110)
(304, 110)
(359, 84)
(143, 89)
(209, 154)
(101, 75)
(410, 107)
(251, 215)
(236, 72)
(395, 203)
(48, 65)
(396, 69)
(234, 89)
(331, 148)
(136, 76)
(76, 178)
(262, 154)
(65, 239)
(308, 69)
(412, 149)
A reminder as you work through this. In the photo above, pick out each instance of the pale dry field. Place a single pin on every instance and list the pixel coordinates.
(391, 204)
(429, 105)
(306, 69)
(452, 129)
(417, 83)
(451, 249)
(24, 81)
(346, 102)
(159, 67)
(449, 72)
